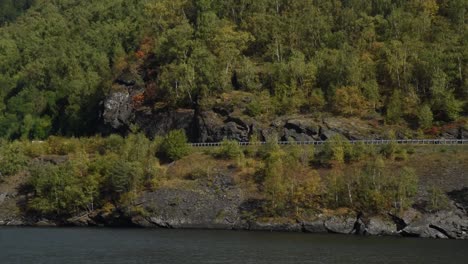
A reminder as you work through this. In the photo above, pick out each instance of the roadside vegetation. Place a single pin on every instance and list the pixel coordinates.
(69, 176)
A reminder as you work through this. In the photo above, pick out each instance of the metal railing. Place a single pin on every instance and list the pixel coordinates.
(366, 142)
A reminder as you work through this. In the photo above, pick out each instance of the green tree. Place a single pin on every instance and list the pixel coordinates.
(174, 145)
(349, 101)
(12, 158)
(59, 191)
(394, 108)
(406, 187)
(425, 117)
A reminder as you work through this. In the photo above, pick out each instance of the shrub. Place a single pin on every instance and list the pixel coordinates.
(63, 146)
(254, 109)
(113, 143)
(269, 147)
(60, 191)
(229, 149)
(334, 150)
(174, 145)
(438, 199)
(425, 117)
(303, 154)
(137, 147)
(401, 155)
(389, 150)
(35, 149)
(317, 100)
(349, 101)
(123, 177)
(12, 158)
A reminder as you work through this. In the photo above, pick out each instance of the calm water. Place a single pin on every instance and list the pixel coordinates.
(29, 245)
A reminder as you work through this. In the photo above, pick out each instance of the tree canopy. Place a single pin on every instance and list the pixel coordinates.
(58, 59)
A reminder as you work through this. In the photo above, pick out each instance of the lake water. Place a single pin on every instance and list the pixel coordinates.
(74, 245)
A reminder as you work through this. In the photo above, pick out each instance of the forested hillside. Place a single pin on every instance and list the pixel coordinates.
(403, 60)
(10, 9)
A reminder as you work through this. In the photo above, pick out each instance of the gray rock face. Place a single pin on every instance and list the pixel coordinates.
(214, 127)
(445, 224)
(301, 130)
(118, 110)
(378, 226)
(315, 226)
(2, 197)
(202, 207)
(422, 229)
(461, 198)
(160, 123)
(340, 225)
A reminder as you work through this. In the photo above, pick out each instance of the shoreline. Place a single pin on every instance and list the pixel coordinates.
(450, 224)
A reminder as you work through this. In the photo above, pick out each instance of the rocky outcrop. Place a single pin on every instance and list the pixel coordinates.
(227, 119)
(444, 224)
(212, 204)
(381, 226)
(118, 112)
(222, 121)
(159, 123)
(340, 224)
(214, 127)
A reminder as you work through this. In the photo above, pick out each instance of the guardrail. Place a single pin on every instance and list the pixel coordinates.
(367, 142)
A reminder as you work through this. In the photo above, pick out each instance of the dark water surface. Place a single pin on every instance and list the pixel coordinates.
(56, 245)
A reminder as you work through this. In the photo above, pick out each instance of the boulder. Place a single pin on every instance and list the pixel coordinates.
(378, 226)
(423, 230)
(15, 222)
(340, 224)
(314, 226)
(83, 220)
(45, 223)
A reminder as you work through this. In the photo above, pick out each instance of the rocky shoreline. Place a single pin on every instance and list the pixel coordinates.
(223, 205)
(443, 225)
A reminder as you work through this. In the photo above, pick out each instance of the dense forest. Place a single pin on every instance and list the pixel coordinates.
(10, 9)
(403, 60)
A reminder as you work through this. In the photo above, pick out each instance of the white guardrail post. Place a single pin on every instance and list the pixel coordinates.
(366, 141)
